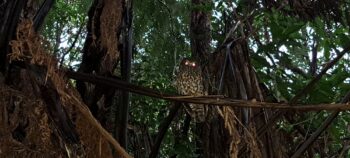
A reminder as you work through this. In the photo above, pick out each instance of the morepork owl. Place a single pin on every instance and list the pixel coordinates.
(189, 82)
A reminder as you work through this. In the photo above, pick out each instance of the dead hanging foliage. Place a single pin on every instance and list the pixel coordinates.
(250, 136)
(233, 62)
(308, 9)
(229, 117)
(24, 127)
(28, 47)
(253, 143)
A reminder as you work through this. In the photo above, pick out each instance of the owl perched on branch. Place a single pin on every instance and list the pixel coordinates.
(189, 81)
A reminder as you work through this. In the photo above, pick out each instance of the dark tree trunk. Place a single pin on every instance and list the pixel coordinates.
(37, 103)
(214, 139)
(200, 31)
(100, 55)
(230, 73)
(9, 17)
(127, 42)
(27, 77)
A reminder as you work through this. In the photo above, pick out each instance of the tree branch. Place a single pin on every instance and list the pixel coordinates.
(319, 131)
(73, 44)
(41, 14)
(206, 100)
(306, 90)
(163, 128)
(312, 83)
(295, 70)
(313, 63)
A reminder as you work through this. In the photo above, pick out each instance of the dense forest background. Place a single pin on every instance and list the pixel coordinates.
(58, 57)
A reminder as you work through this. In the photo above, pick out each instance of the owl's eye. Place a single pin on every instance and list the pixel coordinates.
(187, 62)
(193, 64)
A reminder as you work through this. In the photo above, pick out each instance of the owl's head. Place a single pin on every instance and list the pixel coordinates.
(189, 63)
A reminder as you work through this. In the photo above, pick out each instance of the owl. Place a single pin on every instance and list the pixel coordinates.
(189, 81)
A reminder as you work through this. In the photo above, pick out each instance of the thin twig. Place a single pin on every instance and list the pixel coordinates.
(73, 44)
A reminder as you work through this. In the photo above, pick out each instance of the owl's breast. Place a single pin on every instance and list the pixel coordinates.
(188, 84)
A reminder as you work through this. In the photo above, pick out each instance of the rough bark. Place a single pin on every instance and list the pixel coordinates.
(41, 113)
(230, 131)
(214, 138)
(127, 42)
(100, 55)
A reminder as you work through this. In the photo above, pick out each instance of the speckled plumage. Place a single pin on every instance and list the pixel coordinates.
(189, 82)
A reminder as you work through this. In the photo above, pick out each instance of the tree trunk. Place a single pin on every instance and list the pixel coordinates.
(230, 132)
(41, 112)
(214, 138)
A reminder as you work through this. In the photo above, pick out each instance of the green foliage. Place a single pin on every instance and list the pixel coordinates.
(204, 7)
(289, 41)
(278, 44)
(62, 27)
(161, 39)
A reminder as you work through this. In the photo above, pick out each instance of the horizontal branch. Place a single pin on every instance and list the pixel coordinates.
(207, 100)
